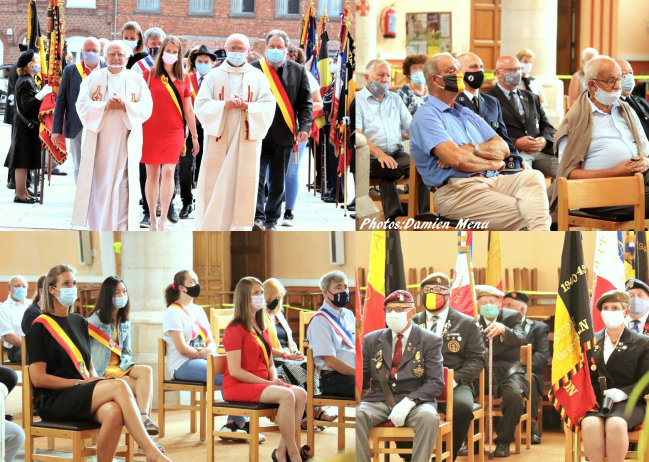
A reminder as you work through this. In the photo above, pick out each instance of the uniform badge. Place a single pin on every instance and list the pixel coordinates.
(618, 298)
(593, 367)
(438, 280)
(530, 322)
(379, 359)
(111, 345)
(461, 98)
(629, 284)
(417, 355)
(514, 294)
(82, 367)
(537, 125)
(97, 95)
(453, 346)
(423, 324)
(419, 371)
(494, 124)
(164, 80)
(401, 297)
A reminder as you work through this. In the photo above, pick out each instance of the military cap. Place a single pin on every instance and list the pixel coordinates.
(436, 278)
(399, 296)
(482, 290)
(520, 296)
(636, 284)
(612, 296)
(25, 58)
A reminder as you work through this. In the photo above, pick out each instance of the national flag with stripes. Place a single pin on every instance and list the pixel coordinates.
(462, 292)
(640, 261)
(308, 42)
(608, 270)
(629, 255)
(323, 57)
(572, 392)
(494, 264)
(35, 42)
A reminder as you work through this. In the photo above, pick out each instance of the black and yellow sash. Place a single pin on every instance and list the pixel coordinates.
(66, 343)
(175, 96)
(81, 67)
(265, 347)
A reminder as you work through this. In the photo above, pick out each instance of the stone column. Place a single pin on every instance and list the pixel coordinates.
(533, 24)
(366, 39)
(149, 263)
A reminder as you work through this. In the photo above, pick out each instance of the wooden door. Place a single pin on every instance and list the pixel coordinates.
(212, 266)
(485, 31)
(247, 256)
(568, 52)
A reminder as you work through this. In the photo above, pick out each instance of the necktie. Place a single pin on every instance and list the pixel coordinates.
(396, 358)
(635, 327)
(476, 103)
(200, 81)
(513, 98)
(433, 327)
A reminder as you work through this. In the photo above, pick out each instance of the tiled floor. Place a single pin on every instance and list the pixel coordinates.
(311, 213)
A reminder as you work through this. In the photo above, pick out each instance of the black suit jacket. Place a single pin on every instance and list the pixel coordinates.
(421, 344)
(536, 122)
(296, 84)
(507, 348)
(536, 334)
(467, 361)
(641, 107)
(626, 365)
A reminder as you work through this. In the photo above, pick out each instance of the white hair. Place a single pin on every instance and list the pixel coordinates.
(430, 66)
(588, 51)
(120, 43)
(591, 69)
(375, 62)
(154, 32)
(332, 277)
(237, 36)
(92, 39)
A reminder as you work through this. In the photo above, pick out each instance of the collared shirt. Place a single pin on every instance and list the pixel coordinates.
(404, 340)
(628, 322)
(519, 106)
(470, 96)
(612, 142)
(324, 341)
(11, 317)
(608, 346)
(382, 121)
(434, 123)
(441, 320)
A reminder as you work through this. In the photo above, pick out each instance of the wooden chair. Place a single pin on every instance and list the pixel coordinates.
(601, 192)
(386, 432)
(253, 411)
(4, 357)
(218, 322)
(526, 360)
(305, 319)
(478, 414)
(411, 197)
(166, 386)
(566, 104)
(77, 431)
(324, 400)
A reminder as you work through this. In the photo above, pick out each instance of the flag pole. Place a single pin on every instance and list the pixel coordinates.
(491, 418)
(576, 457)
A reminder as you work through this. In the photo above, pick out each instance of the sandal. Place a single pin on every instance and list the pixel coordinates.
(330, 418)
(151, 428)
(160, 448)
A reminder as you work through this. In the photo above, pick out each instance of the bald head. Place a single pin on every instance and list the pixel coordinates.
(624, 66)
(508, 71)
(237, 40)
(507, 61)
(18, 288)
(91, 44)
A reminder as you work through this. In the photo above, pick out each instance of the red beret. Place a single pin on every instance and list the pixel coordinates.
(401, 296)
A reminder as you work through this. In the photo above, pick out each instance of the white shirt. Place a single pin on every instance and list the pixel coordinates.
(11, 316)
(628, 322)
(608, 346)
(440, 321)
(313, 83)
(519, 106)
(404, 340)
(175, 320)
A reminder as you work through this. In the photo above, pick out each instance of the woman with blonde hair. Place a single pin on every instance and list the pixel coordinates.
(66, 386)
(526, 58)
(164, 133)
(250, 374)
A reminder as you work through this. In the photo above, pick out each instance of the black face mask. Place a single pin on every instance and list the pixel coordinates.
(453, 82)
(272, 305)
(154, 51)
(194, 291)
(474, 79)
(341, 299)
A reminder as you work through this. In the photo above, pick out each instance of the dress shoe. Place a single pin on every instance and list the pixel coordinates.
(536, 436)
(352, 215)
(464, 451)
(172, 215)
(32, 193)
(56, 171)
(304, 453)
(146, 221)
(185, 211)
(11, 185)
(9, 417)
(18, 200)
(259, 226)
(271, 227)
(288, 218)
(331, 199)
(502, 450)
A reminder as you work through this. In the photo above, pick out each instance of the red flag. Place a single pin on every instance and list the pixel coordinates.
(373, 314)
(462, 293)
(608, 269)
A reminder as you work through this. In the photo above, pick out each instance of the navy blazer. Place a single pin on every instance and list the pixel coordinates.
(66, 100)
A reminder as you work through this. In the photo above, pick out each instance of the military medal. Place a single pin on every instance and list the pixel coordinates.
(379, 359)
(593, 367)
(417, 355)
(454, 346)
(419, 371)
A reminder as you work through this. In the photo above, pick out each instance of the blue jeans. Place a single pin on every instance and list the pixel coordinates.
(195, 370)
(292, 178)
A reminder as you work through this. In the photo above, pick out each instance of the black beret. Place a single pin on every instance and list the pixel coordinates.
(636, 284)
(221, 55)
(25, 58)
(520, 296)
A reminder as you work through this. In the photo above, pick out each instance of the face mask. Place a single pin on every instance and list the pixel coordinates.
(341, 299)
(203, 68)
(396, 321)
(613, 319)
(489, 311)
(274, 55)
(606, 98)
(117, 66)
(194, 291)
(20, 293)
(638, 306)
(257, 302)
(68, 296)
(453, 82)
(433, 302)
(377, 88)
(154, 52)
(527, 67)
(37, 68)
(169, 58)
(418, 78)
(474, 79)
(90, 57)
(512, 79)
(236, 58)
(629, 83)
(131, 43)
(120, 302)
(273, 305)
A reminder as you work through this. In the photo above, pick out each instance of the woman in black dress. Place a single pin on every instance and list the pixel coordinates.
(67, 390)
(25, 150)
(622, 357)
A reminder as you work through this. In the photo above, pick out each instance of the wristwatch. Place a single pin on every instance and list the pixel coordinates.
(475, 146)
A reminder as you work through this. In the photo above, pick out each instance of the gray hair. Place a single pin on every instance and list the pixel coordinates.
(278, 33)
(332, 277)
(153, 33)
(591, 69)
(588, 51)
(430, 66)
(375, 62)
(120, 43)
(241, 37)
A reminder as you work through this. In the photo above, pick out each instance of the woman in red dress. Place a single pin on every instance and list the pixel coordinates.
(250, 374)
(164, 132)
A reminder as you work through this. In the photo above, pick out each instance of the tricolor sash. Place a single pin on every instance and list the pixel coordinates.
(280, 95)
(265, 348)
(337, 326)
(104, 339)
(145, 63)
(197, 327)
(66, 343)
(193, 85)
(81, 67)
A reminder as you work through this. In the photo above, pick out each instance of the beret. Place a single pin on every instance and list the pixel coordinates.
(482, 290)
(221, 55)
(436, 278)
(400, 296)
(612, 296)
(520, 296)
(636, 284)
(25, 58)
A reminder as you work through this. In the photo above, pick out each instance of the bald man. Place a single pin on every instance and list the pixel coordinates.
(66, 121)
(11, 316)
(639, 105)
(527, 125)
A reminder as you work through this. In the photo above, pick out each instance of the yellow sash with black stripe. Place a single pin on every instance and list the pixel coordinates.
(264, 347)
(81, 70)
(165, 82)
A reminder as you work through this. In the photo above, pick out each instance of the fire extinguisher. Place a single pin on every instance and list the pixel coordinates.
(389, 22)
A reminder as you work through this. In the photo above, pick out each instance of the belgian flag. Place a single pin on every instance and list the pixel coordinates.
(640, 260)
(35, 43)
(572, 392)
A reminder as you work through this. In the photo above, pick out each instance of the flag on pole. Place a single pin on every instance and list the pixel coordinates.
(629, 255)
(640, 261)
(608, 269)
(572, 392)
(359, 335)
(462, 293)
(323, 57)
(494, 257)
(35, 42)
(308, 42)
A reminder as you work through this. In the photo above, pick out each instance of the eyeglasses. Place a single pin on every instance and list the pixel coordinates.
(237, 49)
(396, 309)
(436, 290)
(116, 55)
(510, 69)
(610, 82)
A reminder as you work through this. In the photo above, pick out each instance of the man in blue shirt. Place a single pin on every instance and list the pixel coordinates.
(459, 156)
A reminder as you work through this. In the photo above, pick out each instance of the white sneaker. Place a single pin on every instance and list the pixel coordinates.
(246, 429)
(229, 427)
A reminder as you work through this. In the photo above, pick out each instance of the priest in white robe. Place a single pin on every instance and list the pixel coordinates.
(236, 107)
(112, 105)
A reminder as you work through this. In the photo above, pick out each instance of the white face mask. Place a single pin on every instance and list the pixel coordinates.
(527, 67)
(638, 306)
(257, 302)
(606, 98)
(396, 321)
(613, 319)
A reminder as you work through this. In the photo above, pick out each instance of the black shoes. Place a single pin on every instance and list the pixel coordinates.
(259, 226)
(288, 218)
(56, 171)
(146, 221)
(9, 417)
(18, 200)
(11, 185)
(536, 437)
(185, 211)
(172, 215)
(502, 450)
(271, 227)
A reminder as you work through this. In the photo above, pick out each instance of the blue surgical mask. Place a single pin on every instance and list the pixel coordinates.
(120, 302)
(37, 68)
(68, 296)
(236, 58)
(274, 55)
(629, 83)
(20, 293)
(489, 311)
(203, 68)
(90, 57)
(418, 78)
(131, 43)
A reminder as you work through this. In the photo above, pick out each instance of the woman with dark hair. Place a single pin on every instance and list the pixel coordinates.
(132, 37)
(250, 374)
(34, 309)
(110, 344)
(66, 386)
(414, 93)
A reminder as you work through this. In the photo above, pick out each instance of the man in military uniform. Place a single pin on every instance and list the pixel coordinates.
(462, 349)
(403, 364)
(638, 293)
(535, 333)
(505, 327)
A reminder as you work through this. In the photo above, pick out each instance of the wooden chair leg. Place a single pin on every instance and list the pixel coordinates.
(341, 430)
(129, 447)
(210, 435)
(386, 456)
(192, 413)
(517, 441)
(254, 438)
(161, 412)
(310, 434)
(77, 447)
(470, 440)
(202, 415)
(438, 447)
(481, 441)
(29, 447)
(375, 445)
(528, 431)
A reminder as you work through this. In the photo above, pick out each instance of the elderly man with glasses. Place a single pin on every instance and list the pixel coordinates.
(11, 316)
(601, 136)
